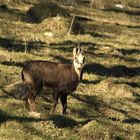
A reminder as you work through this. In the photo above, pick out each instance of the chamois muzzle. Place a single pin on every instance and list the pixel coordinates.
(79, 58)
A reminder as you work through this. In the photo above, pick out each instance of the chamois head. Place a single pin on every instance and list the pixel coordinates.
(78, 58)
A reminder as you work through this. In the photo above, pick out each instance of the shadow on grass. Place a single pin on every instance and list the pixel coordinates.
(14, 13)
(61, 59)
(109, 56)
(94, 101)
(5, 117)
(65, 46)
(19, 45)
(131, 121)
(129, 52)
(10, 63)
(133, 27)
(132, 84)
(116, 71)
(94, 34)
(35, 131)
(68, 46)
(91, 104)
(43, 10)
(119, 110)
(7, 93)
(124, 10)
(61, 121)
(137, 98)
(85, 81)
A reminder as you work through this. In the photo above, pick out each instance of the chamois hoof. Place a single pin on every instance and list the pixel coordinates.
(35, 114)
(66, 113)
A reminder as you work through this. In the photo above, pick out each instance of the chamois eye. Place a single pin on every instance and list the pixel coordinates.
(76, 60)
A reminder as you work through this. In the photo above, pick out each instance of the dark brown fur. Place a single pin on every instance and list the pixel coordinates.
(62, 78)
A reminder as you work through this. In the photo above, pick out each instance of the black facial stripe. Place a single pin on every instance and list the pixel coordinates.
(84, 60)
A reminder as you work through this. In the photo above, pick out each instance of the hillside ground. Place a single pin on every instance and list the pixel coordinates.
(106, 104)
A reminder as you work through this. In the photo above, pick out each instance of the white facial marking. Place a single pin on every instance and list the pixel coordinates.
(80, 58)
(78, 64)
(78, 61)
(78, 71)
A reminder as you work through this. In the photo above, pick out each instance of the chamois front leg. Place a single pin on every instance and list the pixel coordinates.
(31, 102)
(64, 103)
(32, 106)
(55, 101)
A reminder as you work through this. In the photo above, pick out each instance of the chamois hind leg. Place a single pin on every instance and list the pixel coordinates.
(29, 96)
(55, 101)
(35, 84)
(64, 103)
(29, 100)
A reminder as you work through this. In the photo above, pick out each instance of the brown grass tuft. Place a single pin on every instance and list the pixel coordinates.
(114, 90)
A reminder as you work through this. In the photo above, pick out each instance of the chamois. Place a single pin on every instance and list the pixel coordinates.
(61, 78)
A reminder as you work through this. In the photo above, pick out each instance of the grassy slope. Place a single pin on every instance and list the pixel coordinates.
(106, 103)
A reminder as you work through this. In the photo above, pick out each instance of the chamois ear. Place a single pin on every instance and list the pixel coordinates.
(75, 50)
(82, 50)
(79, 49)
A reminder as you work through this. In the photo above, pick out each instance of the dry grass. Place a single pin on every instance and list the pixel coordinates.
(106, 103)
